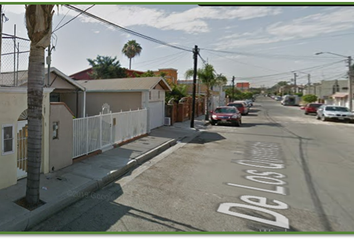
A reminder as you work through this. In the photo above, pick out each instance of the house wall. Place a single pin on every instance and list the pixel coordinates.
(58, 82)
(326, 88)
(120, 101)
(13, 101)
(61, 149)
(70, 101)
(171, 74)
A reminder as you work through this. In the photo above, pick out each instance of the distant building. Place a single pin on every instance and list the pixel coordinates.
(170, 74)
(243, 86)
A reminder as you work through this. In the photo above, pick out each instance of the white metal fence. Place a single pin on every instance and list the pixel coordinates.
(96, 132)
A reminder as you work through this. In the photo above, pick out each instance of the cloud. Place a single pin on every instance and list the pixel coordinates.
(192, 21)
(313, 25)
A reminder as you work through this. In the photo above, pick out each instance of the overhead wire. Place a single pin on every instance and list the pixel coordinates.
(127, 30)
(82, 12)
(278, 56)
(285, 73)
(158, 60)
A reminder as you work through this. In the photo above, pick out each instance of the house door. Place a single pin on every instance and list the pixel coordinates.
(156, 114)
(22, 134)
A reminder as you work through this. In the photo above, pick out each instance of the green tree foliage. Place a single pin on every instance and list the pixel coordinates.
(149, 73)
(106, 67)
(178, 91)
(309, 98)
(131, 49)
(209, 78)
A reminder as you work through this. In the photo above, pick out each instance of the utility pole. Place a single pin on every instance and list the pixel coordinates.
(350, 85)
(195, 57)
(49, 60)
(295, 75)
(1, 17)
(308, 82)
(233, 88)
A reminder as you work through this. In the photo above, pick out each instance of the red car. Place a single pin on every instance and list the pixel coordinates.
(241, 106)
(226, 114)
(311, 107)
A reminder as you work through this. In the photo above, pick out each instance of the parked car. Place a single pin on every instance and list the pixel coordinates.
(311, 108)
(326, 112)
(241, 106)
(226, 114)
(278, 98)
(249, 102)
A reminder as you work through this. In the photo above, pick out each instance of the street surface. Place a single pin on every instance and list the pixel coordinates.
(280, 171)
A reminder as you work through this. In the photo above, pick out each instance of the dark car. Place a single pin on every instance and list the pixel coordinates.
(226, 114)
(312, 108)
(241, 107)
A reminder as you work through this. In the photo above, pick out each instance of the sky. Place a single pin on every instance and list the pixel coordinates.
(258, 44)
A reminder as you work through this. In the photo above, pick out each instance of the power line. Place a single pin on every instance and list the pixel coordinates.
(127, 30)
(285, 73)
(292, 57)
(72, 18)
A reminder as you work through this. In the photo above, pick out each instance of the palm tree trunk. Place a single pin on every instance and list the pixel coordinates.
(130, 63)
(34, 102)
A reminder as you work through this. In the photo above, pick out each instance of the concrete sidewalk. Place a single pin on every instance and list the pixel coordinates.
(68, 185)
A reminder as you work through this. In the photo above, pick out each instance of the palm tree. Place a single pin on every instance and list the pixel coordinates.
(131, 49)
(208, 77)
(39, 29)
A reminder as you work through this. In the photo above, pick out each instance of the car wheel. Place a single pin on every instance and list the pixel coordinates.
(238, 123)
(306, 113)
(323, 118)
(317, 117)
(212, 123)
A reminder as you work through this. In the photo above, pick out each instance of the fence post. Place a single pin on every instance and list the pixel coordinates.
(87, 136)
(101, 131)
(111, 125)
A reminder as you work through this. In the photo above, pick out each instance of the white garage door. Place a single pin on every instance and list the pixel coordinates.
(156, 114)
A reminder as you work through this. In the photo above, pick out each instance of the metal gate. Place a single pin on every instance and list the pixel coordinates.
(22, 135)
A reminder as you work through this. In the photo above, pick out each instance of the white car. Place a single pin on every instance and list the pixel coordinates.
(326, 112)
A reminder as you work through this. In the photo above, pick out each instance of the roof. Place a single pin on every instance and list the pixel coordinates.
(124, 84)
(23, 77)
(67, 78)
(340, 95)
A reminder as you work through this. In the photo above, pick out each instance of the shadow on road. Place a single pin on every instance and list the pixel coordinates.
(101, 212)
(270, 124)
(206, 137)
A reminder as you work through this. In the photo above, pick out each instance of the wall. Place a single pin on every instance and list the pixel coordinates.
(13, 101)
(171, 74)
(120, 101)
(60, 151)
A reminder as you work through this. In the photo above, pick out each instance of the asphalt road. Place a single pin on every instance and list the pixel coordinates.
(280, 171)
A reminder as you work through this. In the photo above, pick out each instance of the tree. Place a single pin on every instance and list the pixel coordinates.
(149, 73)
(309, 98)
(39, 30)
(106, 67)
(178, 91)
(131, 49)
(220, 80)
(208, 77)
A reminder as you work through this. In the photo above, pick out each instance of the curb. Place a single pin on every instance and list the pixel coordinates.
(35, 217)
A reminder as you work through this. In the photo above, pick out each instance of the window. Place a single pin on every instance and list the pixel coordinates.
(55, 130)
(7, 139)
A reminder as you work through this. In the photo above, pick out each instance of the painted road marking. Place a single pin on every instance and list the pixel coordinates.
(268, 156)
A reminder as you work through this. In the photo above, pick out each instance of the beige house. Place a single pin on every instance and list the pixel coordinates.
(13, 122)
(124, 94)
(65, 90)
